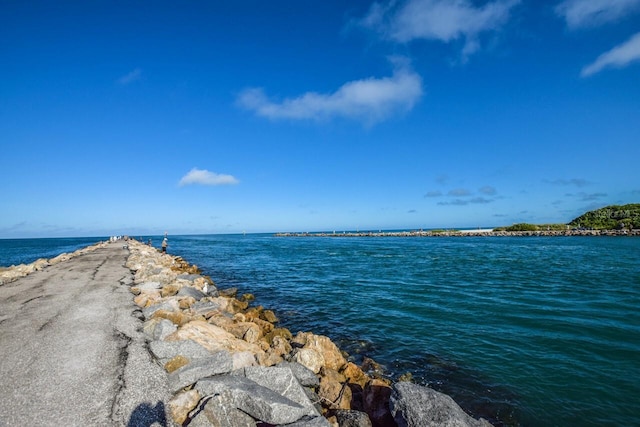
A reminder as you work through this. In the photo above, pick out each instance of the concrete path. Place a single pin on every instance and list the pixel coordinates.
(71, 350)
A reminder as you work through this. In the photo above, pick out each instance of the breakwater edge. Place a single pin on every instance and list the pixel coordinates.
(228, 363)
(487, 232)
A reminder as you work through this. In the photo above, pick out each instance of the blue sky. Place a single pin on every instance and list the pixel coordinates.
(222, 117)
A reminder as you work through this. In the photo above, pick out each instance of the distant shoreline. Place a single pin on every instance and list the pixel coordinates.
(487, 232)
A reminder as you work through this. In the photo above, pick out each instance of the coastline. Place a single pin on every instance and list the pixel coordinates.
(217, 349)
(467, 233)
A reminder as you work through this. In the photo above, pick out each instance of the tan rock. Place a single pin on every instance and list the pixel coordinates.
(310, 358)
(177, 317)
(355, 375)
(269, 316)
(183, 403)
(278, 332)
(269, 359)
(177, 362)
(236, 306)
(247, 331)
(186, 302)
(281, 346)
(265, 326)
(334, 393)
(275, 353)
(221, 320)
(170, 289)
(212, 337)
(247, 297)
(147, 298)
(333, 358)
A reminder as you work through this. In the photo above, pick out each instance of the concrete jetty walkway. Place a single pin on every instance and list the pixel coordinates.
(71, 350)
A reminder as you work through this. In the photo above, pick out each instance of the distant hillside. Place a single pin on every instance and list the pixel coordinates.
(610, 218)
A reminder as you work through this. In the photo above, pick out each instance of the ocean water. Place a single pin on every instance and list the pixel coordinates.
(533, 331)
(25, 251)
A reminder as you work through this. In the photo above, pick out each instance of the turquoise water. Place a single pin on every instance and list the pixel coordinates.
(533, 331)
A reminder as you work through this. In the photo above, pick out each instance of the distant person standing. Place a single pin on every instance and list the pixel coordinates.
(164, 245)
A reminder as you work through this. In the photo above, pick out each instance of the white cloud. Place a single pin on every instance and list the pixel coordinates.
(204, 177)
(443, 20)
(130, 77)
(368, 100)
(618, 57)
(591, 13)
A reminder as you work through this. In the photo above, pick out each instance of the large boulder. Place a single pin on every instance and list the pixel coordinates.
(181, 404)
(413, 405)
(258, 401)
(333, 358)
(167, 350)
(282, 380)
(212, 337)
(304, 375)
(218, 363)
(220, 410)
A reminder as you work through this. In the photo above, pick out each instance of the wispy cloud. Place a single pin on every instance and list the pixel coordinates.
(459, 192)
(578, 182)
(204, 177)
(464, 202)
(618, 57)
(588, 197)
(463, 195)
(592, 13)
(368, 100)
(488, 190)
(442, 20)
(130, 77)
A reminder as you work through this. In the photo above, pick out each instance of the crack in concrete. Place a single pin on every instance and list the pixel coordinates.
(123, 354)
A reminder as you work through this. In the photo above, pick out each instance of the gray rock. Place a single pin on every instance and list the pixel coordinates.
(305, 376)
(167, 350)
(188, 291)
(218, 363)
(220, 410)
(203, 307)
(163, 329)
(171, 305)
(413, 405)
(189, 277)
(260, 402)
(147, 286)
(282, 381)
(229, 292)
(311, 422)
(350, 418)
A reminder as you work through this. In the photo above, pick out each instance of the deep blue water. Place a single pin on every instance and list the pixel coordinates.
(533, 331)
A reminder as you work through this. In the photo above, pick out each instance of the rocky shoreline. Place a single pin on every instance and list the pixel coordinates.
(229, 364)
(469, 233)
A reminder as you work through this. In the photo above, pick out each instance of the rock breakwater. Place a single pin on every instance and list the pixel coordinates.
(228, 362)
(468, 233)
